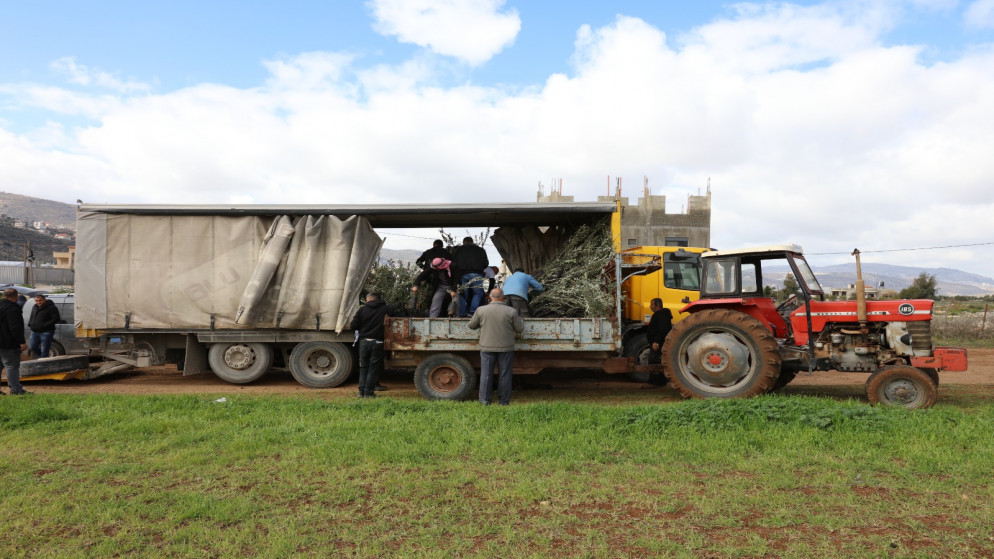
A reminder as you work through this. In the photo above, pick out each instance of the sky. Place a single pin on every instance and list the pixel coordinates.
(835, 125)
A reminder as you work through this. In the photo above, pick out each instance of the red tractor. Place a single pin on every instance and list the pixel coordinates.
(739, 343)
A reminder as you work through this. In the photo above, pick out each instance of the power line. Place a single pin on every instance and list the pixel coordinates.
(900, 249)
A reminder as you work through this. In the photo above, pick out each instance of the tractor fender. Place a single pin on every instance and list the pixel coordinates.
(761, 308)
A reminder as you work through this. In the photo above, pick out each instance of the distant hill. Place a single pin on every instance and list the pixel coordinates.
(407, 256)
(29, 208)
(13, 240)
(950, 281)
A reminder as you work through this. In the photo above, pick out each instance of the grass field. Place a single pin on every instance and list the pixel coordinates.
(280, 476)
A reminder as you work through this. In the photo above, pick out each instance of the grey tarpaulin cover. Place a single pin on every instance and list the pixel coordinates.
(177, 271)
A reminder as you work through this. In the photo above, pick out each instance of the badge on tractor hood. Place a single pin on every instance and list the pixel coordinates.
(906, 309)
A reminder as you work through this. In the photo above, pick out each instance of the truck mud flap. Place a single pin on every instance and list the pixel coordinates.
(195, 360)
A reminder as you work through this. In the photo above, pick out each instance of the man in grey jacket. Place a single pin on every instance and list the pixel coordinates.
(498, 323)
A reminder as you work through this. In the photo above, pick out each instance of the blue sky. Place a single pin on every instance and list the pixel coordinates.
(183, 43)
(831, 124)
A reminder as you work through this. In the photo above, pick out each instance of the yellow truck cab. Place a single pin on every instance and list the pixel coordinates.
(677, 283)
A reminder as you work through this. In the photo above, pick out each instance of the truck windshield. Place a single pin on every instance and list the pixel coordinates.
(682, 273)
(806, 275)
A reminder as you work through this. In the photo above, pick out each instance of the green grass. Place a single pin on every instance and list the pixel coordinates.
(273, 477)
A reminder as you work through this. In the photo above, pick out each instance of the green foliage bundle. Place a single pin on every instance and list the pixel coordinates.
(393, 280)
(576, 279)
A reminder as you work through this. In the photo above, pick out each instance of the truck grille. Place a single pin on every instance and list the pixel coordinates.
(921, 336)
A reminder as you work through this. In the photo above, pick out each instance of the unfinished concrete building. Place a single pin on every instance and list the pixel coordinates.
(648, 224)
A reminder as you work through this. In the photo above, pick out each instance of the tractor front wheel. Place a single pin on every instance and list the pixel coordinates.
(902, 385)
(721, 353)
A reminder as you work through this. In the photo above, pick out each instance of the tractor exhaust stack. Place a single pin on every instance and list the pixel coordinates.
(860, 293)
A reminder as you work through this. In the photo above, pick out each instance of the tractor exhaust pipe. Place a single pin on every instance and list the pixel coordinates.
(860, 293)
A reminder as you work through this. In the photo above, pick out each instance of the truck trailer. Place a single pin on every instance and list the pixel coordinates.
(241, 289)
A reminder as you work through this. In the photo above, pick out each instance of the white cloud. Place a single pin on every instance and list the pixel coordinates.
(832, 144)
(470, 30)
(980, 14)
(82, 75)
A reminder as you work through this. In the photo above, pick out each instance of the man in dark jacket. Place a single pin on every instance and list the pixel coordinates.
(468, 262)
(437, 250)
(44, 317)
(659, 326)
(12, 340)
(368, 326)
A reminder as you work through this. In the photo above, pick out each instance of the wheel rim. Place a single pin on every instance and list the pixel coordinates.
(902, 392)
(718, 362)
(239, 357)
(320, 363)
(444, 379)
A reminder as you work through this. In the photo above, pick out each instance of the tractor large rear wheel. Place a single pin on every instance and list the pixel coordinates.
(721, 353)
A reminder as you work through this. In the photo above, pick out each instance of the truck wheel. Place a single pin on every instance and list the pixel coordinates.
(52, 365)
(721, 353)
(56, 350)
(637, 346)
(902, 385)
(446, 376)
(240, 362)
(321, 364)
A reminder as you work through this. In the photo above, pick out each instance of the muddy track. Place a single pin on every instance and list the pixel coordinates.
(558, 385)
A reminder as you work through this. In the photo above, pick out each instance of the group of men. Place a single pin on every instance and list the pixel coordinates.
(498, 322)
(467, 266)
(44, 317)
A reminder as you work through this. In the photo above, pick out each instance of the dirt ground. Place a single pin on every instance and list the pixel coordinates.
(558, 384)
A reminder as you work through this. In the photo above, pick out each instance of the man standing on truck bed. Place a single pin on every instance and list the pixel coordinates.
(439, 275)
(12, 340)
(516, 288)
(368, 325)
(437, 250)
(497, 324)
(469, 260)
(44, 317)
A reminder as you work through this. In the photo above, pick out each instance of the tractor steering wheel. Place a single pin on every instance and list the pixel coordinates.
(787, 306)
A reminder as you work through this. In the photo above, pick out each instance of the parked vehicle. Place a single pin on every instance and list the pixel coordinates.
(240, 289)
(736, 342)
(65, 341)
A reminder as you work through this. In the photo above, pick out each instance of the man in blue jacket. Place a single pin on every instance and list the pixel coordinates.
(516, 288)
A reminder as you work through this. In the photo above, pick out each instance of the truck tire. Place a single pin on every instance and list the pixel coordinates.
(446, 376)
(637, 346)
(52, 365)
(902, 385)
(240, 362)
(56, 350)
(721, 353)
(321, 364)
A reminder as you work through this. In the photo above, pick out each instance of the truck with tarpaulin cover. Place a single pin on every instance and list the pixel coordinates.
(241, 289)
